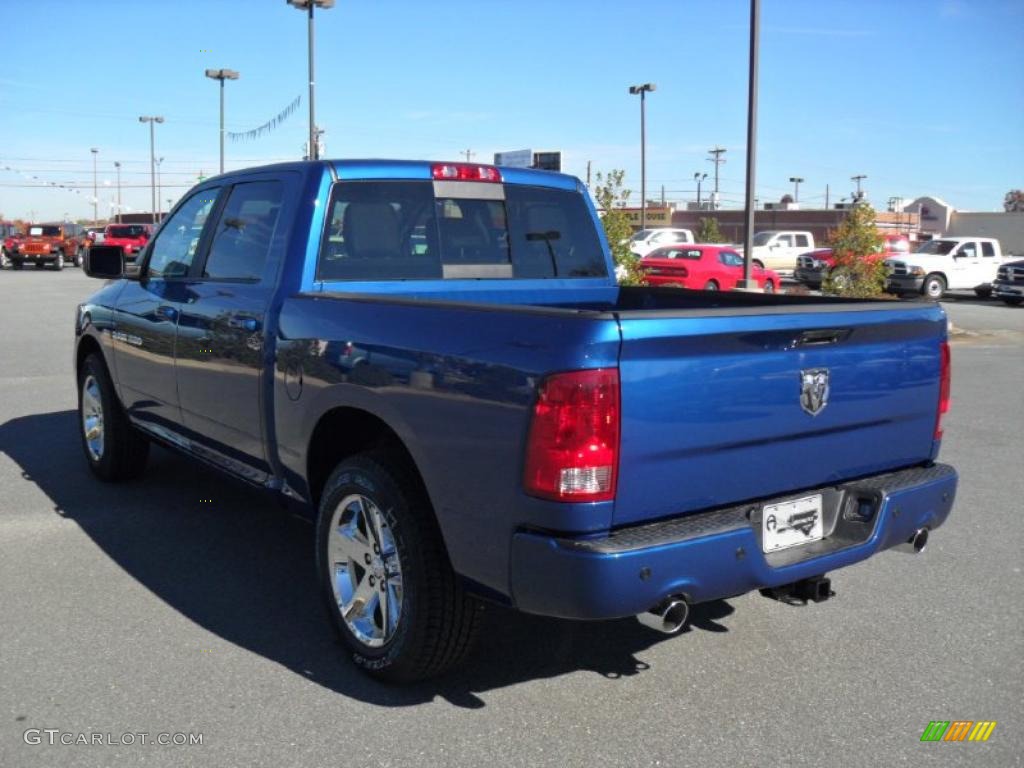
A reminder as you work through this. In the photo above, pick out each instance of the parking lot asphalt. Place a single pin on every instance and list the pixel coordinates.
(143, 609)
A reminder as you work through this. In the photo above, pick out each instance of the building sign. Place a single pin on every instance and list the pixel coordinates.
(520, 158)
(656, 217)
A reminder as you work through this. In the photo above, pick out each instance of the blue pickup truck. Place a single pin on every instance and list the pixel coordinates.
(435, 360)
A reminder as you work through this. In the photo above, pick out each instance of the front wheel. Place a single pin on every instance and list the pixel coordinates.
(710, 285)
(385, 576)
(4, 261)
(934, 287)
(58, 264)
(769, 287)
(114, 449)
(79, 257)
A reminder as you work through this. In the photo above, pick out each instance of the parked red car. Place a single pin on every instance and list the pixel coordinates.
(707, 267)
(811, 267)
(131, 237)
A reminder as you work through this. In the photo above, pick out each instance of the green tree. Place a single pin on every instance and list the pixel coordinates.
(856, 238)
(610, 194)
(708, 231)
(1014, 201)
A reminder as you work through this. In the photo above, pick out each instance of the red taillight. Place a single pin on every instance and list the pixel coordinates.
(465, 172)
(944, 379)
(572, 453)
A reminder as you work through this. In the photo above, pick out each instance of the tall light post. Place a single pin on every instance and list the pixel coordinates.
(117, 165)
(308, 5)
(748, 230)
(699, 177)
(159, 204)
(643, 90)
(152, 120)
(796, 181)
(95, 193)
(222, 75)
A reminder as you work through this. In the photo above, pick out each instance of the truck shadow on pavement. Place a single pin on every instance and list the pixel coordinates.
(230, 559)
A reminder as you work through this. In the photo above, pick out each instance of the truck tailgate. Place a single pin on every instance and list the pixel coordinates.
(711, 403)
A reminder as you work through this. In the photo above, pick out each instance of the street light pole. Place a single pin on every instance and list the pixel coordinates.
(748, 233)
(159, 200)
(796, 180)
(699, 178)
(117, 165)
(643, 90)
(222, 75)
(95, 193)
(152, 120)
(308, 5)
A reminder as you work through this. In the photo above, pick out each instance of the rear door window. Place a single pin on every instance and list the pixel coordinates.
(399, 230)
(240, 246)
(987, 249)
(802, 241)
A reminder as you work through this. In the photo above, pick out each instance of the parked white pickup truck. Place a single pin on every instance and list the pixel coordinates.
(778, 249)
(947, 264)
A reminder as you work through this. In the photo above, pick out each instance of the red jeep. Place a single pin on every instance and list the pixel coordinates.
(131, 237)
(10, 237)
(53, 244)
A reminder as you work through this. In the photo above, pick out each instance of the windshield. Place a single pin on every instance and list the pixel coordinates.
(44, 231)
(937, 247)
(127, 230)
(641, 235)
(399, 230)
(762, 238)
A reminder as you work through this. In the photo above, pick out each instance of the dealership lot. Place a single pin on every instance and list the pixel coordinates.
(187, 604)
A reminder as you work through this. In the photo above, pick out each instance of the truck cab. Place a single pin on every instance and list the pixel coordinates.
(947, 264)
(778, 249)
(646, 240)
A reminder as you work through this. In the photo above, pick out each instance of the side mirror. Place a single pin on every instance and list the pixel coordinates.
(105, 262)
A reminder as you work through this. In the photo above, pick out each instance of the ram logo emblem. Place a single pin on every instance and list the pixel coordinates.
(814, 389)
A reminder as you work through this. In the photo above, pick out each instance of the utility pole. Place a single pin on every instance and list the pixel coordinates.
(469, 154)
(588, 174)
(748, 233)
(152, 120)
(826, 197)
(717, 159)
(858, 178)
(117, 165)
(662, 195)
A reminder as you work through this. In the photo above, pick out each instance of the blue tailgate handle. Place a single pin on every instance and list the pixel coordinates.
(244, 323)
(821, 336)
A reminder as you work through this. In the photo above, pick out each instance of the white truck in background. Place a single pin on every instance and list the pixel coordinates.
(947, 264)
(778, 249)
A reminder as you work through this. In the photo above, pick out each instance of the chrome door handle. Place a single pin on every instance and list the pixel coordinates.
(250, 324)
(168, 313)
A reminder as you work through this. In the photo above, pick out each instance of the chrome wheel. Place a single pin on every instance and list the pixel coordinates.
(92, 417)
(364, 570)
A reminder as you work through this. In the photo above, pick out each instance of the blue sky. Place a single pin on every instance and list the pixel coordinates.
(922, 97)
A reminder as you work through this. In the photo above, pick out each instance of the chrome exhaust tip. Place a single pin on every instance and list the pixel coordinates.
(915, 544)
(669, 616)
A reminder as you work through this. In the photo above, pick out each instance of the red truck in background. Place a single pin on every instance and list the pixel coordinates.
(130, 237)
(813, 266)
(10, 236)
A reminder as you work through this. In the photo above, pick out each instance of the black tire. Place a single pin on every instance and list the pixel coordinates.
(79, 257)
(983, 293)
(4, 260)
(933, 287)
(58, 263)
(757, 262)
(710, 285)
(123, 450)
(769, 286)
(438, 621)
(17, 265)
(1013, 302)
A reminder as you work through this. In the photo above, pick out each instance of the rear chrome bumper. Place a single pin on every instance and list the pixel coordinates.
(716, 554)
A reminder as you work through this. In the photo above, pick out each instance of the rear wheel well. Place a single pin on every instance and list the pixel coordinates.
(344, 432)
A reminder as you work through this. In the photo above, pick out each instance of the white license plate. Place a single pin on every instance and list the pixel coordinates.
(791, 523)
